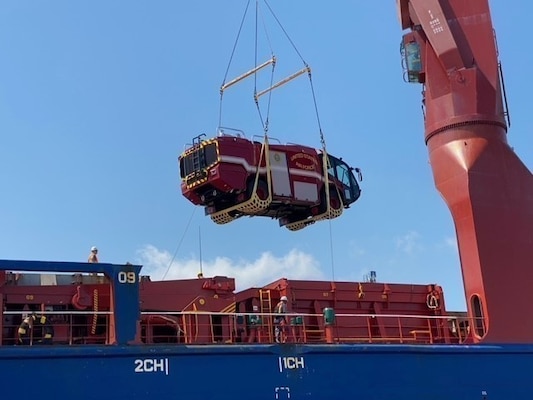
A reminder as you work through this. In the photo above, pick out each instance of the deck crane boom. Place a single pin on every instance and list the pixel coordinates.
(451, 50)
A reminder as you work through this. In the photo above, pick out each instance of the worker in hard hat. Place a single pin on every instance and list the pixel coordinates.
(280, 320)
(93, 256)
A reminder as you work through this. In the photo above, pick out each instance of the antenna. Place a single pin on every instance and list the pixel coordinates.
(200, 274)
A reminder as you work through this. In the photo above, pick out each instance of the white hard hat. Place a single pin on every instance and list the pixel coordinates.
(94, 248)
(283, 298)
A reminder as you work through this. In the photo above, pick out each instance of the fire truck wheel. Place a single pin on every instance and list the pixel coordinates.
(261, 191)
(334, 201)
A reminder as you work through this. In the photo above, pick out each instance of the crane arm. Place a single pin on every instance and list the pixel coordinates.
(451, 50)
(457, 61)
(429, 15)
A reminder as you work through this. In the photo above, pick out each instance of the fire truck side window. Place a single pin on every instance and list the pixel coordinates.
(331, 165)
(183, 173)
(210, 154)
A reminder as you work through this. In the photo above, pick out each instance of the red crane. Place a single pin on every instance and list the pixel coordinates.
(451, 50)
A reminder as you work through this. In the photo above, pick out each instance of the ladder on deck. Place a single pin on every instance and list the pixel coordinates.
(265, 301)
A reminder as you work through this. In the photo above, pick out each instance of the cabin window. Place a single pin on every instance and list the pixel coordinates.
(479, 317)
(412, 61)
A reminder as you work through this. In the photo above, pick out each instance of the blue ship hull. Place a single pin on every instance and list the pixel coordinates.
(321, 372)
(125, 370)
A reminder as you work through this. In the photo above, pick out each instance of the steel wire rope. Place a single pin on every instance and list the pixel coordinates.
(322, 140)
(230, 60)
(264, 123)
(179, 243)
(326, 163)
(326, 181)
(285, 32)
(224, 85)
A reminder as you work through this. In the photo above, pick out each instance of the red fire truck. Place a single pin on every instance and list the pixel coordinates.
(232, 176)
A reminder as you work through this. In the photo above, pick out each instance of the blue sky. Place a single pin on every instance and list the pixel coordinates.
(98, 99)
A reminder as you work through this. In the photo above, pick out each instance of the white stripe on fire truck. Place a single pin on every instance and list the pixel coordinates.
(251, 169)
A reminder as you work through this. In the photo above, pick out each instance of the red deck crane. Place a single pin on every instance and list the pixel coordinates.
(451, 50)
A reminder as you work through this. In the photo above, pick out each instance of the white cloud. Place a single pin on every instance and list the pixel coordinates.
(266, 269)
(408, 243)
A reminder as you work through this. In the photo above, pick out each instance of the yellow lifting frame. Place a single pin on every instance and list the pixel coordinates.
(284, 81)
(247, 74)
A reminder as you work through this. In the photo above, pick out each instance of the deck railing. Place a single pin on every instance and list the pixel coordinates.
(193, 327)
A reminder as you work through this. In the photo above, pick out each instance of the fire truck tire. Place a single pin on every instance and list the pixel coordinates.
(334, 201)
(261, 190)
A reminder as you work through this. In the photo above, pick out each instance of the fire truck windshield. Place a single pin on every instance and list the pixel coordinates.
(344, 174)
(198, 159)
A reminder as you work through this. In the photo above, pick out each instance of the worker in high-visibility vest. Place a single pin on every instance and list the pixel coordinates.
(25, 328)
